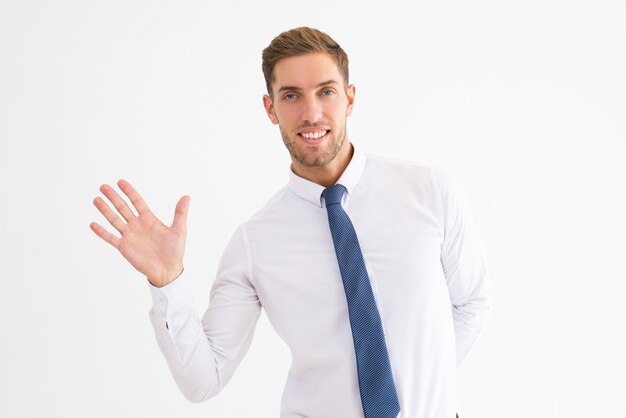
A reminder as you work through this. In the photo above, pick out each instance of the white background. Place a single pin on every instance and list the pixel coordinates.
(524, 101)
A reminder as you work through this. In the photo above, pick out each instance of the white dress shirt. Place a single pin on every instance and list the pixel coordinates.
(428, 275)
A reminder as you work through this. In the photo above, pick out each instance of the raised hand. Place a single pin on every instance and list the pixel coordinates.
(153, 248)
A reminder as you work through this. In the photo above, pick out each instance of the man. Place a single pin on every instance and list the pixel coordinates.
(369, 269)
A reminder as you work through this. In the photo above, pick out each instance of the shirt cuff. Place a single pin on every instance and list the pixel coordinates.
(170, 298)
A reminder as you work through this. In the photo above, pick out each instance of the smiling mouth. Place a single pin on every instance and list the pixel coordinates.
(314, 137)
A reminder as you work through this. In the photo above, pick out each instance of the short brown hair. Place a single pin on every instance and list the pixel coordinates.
(300, 41)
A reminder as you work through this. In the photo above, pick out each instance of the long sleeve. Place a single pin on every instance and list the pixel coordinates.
(202, 355)
(464, 265)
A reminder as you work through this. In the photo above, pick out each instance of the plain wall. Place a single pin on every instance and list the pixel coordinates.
(524, 101)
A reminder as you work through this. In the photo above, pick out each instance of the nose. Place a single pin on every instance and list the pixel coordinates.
(311, 109)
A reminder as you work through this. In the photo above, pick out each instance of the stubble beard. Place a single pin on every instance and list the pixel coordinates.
(297, 147)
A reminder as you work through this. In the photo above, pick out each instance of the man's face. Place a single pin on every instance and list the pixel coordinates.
(310, 104)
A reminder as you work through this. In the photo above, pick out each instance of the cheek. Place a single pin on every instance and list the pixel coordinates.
(286, 115)
(338, 110)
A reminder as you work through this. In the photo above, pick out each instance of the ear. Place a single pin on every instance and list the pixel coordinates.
(350, 91)
(269, 109)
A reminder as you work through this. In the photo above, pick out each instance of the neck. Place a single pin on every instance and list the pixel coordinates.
(328, 174)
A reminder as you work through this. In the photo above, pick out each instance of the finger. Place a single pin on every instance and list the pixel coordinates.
(105, 235)
(180, 214)
(109, 214)
(118, 202)
(134, 196)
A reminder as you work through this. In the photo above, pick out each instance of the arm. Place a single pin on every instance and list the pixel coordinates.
(464, 265)
(203, 355)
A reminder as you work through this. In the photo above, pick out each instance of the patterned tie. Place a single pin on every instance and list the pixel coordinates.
(378, 392)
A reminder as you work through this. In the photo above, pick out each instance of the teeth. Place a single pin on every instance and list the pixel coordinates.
(313, 135)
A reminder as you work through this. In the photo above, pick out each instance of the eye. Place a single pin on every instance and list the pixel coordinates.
(289, 97)
(328, 92)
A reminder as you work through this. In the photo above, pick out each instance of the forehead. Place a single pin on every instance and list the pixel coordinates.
(305, 71)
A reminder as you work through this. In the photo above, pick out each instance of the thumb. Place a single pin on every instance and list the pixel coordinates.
(180, 215)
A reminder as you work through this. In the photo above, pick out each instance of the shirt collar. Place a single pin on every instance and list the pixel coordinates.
(312, 192)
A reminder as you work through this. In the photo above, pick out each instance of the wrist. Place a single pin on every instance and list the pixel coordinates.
(165, 279)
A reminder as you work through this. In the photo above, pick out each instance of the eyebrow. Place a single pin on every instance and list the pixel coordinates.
(322, 84)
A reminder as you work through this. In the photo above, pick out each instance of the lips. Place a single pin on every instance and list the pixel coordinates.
(314, 137)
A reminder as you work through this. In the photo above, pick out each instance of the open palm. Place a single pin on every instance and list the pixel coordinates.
(153, 248)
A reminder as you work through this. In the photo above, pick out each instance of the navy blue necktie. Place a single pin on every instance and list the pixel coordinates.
(378, 391)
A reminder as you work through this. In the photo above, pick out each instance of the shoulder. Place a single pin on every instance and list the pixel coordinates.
(271, 208)
(413, 175)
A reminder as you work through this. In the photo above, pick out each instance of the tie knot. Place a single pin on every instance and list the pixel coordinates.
(333, 195)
